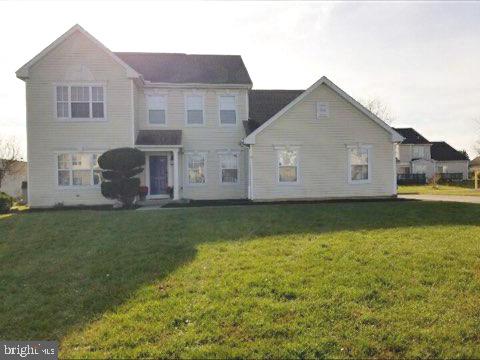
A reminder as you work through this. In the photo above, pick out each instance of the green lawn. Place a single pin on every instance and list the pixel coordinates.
(371, 279)
(439, 190)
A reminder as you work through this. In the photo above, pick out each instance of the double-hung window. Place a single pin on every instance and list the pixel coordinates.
(418, 152)
(359, 164)
(229, 168)
(228, 110)
(80, 102)
(196, 168)
(194, 104)
(78, 169)
(157, 109)
(287, 166)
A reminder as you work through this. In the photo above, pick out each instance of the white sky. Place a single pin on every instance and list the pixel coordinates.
(421, 59)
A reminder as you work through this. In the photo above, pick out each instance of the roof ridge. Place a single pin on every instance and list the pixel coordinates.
(277, 90)
(171, 53)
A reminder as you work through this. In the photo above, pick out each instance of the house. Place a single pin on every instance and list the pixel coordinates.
(475, 169)
(12, 182)
(205, 133)
(417, 155)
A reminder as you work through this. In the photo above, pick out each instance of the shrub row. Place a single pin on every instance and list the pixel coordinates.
(6, 203)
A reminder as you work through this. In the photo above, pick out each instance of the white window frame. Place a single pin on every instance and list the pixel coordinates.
(186, 109)
(205, 163)
(369, 164)
(165, 106)
(319, 115)
(234, 109)
(228, 153)
(89, 85)
(70, 169)
(279, 150)
(423, 152)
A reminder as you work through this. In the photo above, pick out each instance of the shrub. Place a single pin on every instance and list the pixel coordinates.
(6, 203)
(119, 168)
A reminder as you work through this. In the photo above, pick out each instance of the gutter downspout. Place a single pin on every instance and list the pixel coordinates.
(250, 170)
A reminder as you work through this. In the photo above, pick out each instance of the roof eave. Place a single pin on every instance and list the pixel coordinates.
(150, 84)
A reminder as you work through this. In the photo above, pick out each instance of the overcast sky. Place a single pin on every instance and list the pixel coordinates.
(421, 59)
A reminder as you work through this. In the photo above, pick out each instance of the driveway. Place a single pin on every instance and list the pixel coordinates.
(451, 198)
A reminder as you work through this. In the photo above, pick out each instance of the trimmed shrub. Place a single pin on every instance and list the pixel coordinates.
(119, 166)
(6, 203)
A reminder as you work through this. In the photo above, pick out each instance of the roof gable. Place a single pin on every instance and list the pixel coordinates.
(23, 72)
(186, 68)
(396, 137)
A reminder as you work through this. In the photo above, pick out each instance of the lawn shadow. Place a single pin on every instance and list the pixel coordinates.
(60, 271)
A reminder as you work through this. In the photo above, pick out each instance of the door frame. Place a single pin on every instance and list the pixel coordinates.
(147, 180)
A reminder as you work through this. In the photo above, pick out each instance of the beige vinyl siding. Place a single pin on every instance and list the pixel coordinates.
(322, 146)
(76, 60)
(209, 138)
(455, 167)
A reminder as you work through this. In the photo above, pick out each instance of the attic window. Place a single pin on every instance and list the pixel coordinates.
(322, 110)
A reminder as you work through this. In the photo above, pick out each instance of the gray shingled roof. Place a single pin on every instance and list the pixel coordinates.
(159, 137)
(441, 151)
(263, 104)
(411, 136)
(186, 68)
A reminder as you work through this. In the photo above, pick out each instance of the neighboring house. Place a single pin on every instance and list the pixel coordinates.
(475, 169)
(475, 164)
(417, 155)
(204, 132)
(12, 183)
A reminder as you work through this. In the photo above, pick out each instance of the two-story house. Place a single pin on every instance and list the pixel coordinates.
(204, 132)
(417, 155)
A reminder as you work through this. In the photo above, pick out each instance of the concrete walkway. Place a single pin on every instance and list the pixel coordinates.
(451, 198)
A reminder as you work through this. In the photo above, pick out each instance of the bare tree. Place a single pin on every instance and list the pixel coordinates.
(477, 147)
(9, 156)
(378, 108)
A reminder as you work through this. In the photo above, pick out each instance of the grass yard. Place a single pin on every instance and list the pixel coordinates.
(440, 190)
(379, 279)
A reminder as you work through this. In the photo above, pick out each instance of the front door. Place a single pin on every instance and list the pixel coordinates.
(158, 174)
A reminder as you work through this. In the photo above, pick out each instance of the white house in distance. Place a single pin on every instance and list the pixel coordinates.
(205, 133)
(417, 155)
(14, 180)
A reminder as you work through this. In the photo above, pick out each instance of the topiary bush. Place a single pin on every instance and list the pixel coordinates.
(119, 166)
(6, 203)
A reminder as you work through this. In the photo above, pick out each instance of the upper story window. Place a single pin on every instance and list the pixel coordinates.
(359, 164)
(78, 169)
(322, 109)
(228, 110)
(418, 152)
(194, 106)
(287, 166)
(157, 106)
(229, 168)
(80, 102)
